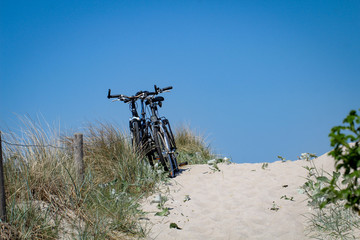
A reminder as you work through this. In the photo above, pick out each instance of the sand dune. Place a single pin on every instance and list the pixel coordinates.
(241, 201)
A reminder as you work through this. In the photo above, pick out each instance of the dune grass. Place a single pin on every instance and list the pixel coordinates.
(44, 200)
(192, 147)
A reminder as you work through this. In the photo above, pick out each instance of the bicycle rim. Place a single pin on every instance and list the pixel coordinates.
(172, 149)
(164, 153)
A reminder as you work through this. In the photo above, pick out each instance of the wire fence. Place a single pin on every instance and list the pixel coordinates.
(88, 144)
(78, 146)
(31, 145)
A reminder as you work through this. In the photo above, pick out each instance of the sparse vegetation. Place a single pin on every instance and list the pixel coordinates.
(192, 148)
(281, 158)
(335, 197)
(164, 211)
(187, 198)
(45, 202)
(275, 207)
(287, 198)
(334, 221)
(264, 166)
(174, 225)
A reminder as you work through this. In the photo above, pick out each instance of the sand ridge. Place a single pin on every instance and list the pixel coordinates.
(241, 201)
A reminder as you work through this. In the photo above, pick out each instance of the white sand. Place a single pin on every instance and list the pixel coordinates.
(234, 203)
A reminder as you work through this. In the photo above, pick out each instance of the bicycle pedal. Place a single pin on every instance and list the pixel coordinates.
(183, 164)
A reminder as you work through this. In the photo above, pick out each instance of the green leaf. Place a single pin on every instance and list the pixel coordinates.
(174, 225)
(164, 212)
(323, 179)
(187, 198)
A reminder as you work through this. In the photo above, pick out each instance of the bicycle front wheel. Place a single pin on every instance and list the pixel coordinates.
(171, 140)
(163, 151)
(167, 128)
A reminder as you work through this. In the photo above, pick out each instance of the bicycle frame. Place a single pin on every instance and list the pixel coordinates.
(162, 125)
(155, 119)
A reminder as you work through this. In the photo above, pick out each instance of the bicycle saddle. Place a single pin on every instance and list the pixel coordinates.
(155, 99)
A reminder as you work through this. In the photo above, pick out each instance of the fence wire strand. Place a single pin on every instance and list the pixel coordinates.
(31, 145)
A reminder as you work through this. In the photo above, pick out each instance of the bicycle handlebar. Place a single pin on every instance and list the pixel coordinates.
(141, 94)
(167, 88)
(113, 96)
(160, 90)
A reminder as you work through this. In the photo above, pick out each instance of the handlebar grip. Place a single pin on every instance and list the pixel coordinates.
(156, 88)
(167, 88)
(112, 96)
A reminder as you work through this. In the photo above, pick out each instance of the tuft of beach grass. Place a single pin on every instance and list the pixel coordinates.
(192, 147)
(44, 200)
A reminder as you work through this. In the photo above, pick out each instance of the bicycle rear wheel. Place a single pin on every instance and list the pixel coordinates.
(163, 151)
(135, 133)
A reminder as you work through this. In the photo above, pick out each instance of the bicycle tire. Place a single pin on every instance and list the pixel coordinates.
(167, 128)
(172, 148)
(163, 151)
(174, 162)
(171, 140)
(135, 131)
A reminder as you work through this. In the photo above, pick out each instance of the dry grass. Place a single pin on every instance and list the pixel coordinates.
(44, 200)
(192, 147)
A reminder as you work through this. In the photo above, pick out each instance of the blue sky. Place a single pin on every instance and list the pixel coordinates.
(258, 78)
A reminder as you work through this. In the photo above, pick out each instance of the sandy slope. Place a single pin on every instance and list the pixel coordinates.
(235, 203)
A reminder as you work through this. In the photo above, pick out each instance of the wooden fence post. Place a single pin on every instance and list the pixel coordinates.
(79, 157)
(2, 187)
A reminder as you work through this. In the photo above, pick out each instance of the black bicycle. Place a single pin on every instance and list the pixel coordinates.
(151, 133)
(162, 133)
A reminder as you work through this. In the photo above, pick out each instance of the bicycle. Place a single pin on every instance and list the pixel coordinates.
(162, 133)
(151, 134)
(166, 123)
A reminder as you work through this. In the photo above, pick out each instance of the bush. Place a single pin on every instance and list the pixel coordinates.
(333, 221)
(345, 140)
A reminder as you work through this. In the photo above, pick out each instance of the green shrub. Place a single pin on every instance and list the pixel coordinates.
(333, 221)
(335, 198)
(345, 140)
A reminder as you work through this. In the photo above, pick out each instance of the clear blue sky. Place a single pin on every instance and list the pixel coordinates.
(258, 78)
